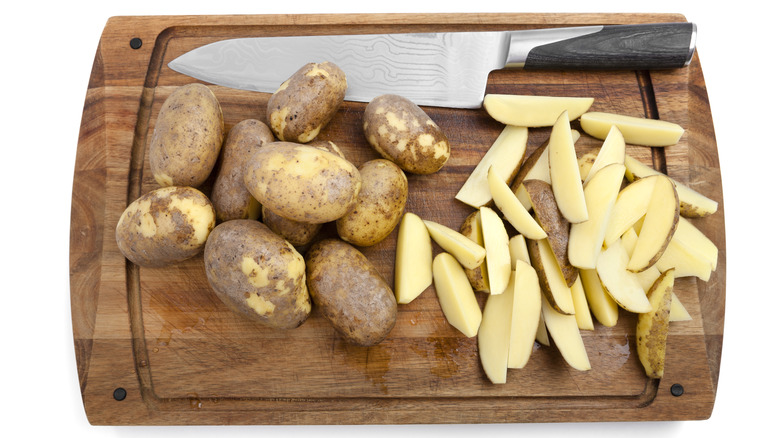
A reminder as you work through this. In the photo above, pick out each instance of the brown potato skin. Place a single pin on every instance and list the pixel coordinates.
(306, 102)
(230, 197)
(477, 276)
(297, 233)
(175, 238)
(187, 137)
(380, 204)
(282, 281)
(302, 183)
(403, 133)
(350, 292)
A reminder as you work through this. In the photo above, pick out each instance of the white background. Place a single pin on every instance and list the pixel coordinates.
(47, 53)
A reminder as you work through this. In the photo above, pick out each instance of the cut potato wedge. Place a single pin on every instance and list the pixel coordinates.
(505, 156)
(635, 130)
(621, 284)
(652, 327)
(581, 310)
(551, 278)
(542, 336)
(613, 151)
(564, 172)
(533, 111)
(513, 210)
(660, 223)
(586, 238)
(413, 259)
(455, 294)
(466, 251)
(526, 314)
(518, 249)
(686, 262)
(601, 304)
(498, 259)
(493, 337)
(566, 335)
(586, 163)
(536, 166)
(696, 241)
(472, 228)
(678, 312)
(692, 203)
(630, 206)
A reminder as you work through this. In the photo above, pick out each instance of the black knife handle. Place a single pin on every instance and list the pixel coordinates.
(619, 47)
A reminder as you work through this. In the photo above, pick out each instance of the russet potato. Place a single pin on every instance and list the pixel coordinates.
(652, 327)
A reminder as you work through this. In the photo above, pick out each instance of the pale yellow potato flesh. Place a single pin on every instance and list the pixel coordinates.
(612, 151)
(498, 259)
(581, 310)
(586, 162)
(565, 174)
(526, 314)
(456, 297)
(566, 335)
(505, 156)
(635, 130)
(493, 336)
(686, 262)
(514, 212)
(630, 207)
(652, 327)
(518, 249)
(472, 228)
(540, 169)
(621, 284)
(467, 252)
(559, 291)
(696, 241)
(413, 259)
(586, 238)
(533, 111)
(660, 223)
(678, 312)
(601, 304)
(542, 336)
(692, 203)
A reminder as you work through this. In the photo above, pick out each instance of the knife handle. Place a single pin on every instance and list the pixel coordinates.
(616, 47)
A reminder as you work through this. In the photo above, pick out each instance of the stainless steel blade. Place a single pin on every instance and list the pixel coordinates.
(437, 69)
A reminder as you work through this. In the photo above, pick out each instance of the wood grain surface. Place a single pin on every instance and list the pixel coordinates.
(182, 357)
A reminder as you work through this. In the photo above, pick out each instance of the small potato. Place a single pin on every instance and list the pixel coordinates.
(306, 102)
(257, 274)
(380, 204)
(302, 183)
(351, 293)
(187, 138)
(230, 197)
(297, 233)
(165, 226)
(403, 133)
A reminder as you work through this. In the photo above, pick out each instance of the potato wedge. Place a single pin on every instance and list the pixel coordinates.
(630, 206)
(621, 284)
(455, 294)
(652, 328)
(566, 335)
(564, 172)
(526, 314)
(513, 210)
(472, 228)
(612, 151)
(602, 305)
(413, 259)
(533, 111)
(497, 257)
(468, 253)
(518, 249)
(636, 130)
(581, 310)
(551, 278)
(493, 336)
(660, 223)
(505, 155)
(536, 166)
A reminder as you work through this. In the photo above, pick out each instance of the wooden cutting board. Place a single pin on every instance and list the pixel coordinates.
(155, 346)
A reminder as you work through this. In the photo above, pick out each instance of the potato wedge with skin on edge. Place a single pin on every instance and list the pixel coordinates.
(635, 130)
(660, 223)
(533, 111)
(566, 334)
(621, 284)
(413, 259)
(497, 256)
(564, 172)
(652, 328)
(551, 278)
(630, 206)
(472, 228)
(513, 210)
(536, 166)
(493, 336)
(468, 253)
(455, 295)
(526, 314)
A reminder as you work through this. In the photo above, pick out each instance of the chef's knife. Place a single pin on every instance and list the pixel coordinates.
(448, 69)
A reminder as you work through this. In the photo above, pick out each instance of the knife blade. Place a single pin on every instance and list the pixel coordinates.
(445, 69)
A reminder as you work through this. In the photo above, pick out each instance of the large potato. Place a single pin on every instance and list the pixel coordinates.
(380, 204)
(230, 197)
(403, 133)
(165, 226)
(302, 183)
(351, 293)
(187, 137)
(306, 102)
(297, 233)
(257, 274)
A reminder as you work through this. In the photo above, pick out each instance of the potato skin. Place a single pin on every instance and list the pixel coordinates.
(380, 204)
(477, 276)
(297, 233)
(187, 137)
(257, 274)
(306, 102)
(403, 133)
(230, 197)
(165, 226)
(302, 183)
(351, 293)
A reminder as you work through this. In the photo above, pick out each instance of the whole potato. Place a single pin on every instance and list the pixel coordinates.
(297, 233)
(351, 293)
(302, 183)
(165, 226)
(306, 102)
(230, 197)
(403, 133)
(257, 274)
(187, 137)
(380, 204)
